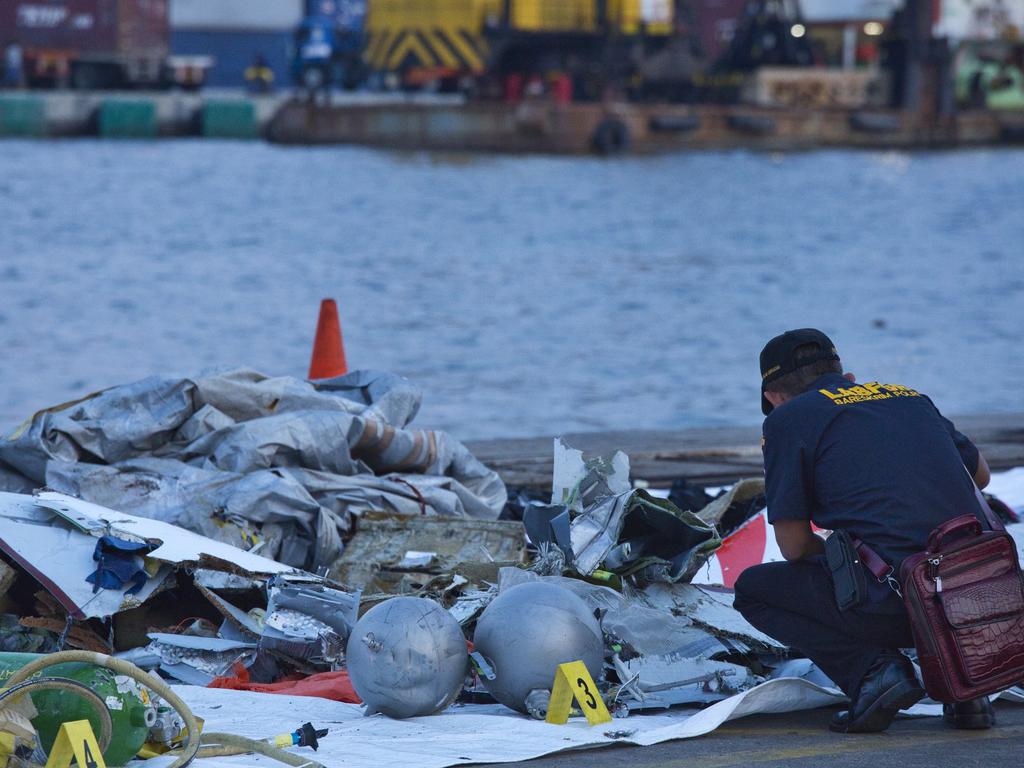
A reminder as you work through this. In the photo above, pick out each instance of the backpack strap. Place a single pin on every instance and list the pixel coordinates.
(880, 569)
(986, 511)
(884, 572)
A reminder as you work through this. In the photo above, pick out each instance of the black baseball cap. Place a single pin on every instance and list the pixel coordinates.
(778, 356)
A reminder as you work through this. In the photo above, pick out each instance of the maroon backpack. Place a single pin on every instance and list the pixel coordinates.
(965, 598)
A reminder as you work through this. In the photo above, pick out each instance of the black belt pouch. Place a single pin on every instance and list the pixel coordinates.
(848, 577)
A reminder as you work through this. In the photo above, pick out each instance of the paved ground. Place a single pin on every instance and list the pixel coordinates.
(802, 739)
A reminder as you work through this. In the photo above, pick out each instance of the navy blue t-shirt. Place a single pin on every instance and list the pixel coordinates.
(877, 460)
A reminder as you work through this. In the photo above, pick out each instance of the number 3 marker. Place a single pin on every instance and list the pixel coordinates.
(573, 681)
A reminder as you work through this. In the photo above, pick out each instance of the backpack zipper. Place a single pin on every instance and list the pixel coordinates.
(967, 566)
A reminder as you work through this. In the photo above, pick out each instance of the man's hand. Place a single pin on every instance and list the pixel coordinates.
(796, 539)
(982, 475)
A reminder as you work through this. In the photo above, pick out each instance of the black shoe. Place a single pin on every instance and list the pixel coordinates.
(888, 687)
(976, 714)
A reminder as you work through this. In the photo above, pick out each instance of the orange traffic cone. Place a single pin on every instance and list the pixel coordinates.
(328, 350)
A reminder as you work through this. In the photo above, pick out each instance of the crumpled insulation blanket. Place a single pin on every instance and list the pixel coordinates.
(281, 464)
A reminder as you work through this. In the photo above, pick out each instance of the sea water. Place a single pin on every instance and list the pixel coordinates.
(526, 295)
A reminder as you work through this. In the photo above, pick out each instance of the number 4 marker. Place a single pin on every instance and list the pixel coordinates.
(573, 681)
(75, 740)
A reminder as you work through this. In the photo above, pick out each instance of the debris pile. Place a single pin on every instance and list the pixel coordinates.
(276, 535)
(279, 464)
(109, 579)
(600, 525)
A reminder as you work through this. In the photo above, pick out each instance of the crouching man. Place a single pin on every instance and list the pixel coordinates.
(875, 460)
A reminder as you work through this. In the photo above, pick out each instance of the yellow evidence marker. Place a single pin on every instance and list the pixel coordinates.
(573, 681)
(75, 740)
(7, 747)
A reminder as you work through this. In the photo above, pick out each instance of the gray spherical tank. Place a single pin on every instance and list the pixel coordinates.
(528, 631)
(407, 657)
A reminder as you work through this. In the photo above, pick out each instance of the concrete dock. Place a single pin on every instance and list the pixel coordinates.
(451, 123)
(612, 128)
(210, 113)
(802, 740)
(706, 456)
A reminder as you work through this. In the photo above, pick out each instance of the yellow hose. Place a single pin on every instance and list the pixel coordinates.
(14, 692)
(228, 743)
(122, 667)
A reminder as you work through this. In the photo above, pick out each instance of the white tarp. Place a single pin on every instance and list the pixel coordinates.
(1008, 487)
(475, 733)
(465, 734)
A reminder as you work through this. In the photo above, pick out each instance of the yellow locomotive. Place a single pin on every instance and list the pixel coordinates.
(443, 41)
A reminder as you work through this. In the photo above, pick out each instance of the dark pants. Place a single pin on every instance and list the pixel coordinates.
(794, 603)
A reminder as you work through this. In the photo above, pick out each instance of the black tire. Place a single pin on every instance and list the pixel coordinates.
(674, 123)
(611, 137)
(86, 77)
(873, 122)
(755, 125)
(314, 78)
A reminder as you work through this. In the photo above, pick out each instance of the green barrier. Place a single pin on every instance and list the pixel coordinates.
(127, 119)
(22, 116)
(234, 119)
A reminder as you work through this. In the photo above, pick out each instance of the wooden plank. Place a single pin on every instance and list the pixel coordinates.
(706, 455)
(7, 577)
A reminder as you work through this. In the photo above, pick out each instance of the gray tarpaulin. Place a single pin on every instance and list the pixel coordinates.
(243, 457)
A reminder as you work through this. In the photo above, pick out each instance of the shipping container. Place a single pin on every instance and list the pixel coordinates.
(980, 19)
(235, 34)
(834, 11)
(587, 16)
(233, 51)
(236, 15)
(89, 43)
